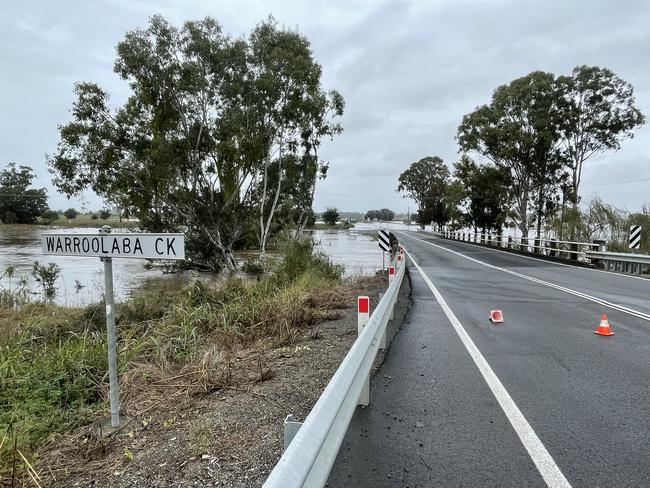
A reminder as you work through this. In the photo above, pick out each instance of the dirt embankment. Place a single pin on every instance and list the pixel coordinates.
(231, 437)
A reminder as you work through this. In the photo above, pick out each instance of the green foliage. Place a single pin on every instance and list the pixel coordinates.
(518, 131)
(71, 214)
(425, 181)
(53, 360)
(217, 134)
(46, 276)
(484, 194)
(104, 214)
(20, 204)
(331, 216)
(254, 267)
(541, 129)
(49, 216)
(597, 113)
(94, 216)
(300, 258)
(384, 214)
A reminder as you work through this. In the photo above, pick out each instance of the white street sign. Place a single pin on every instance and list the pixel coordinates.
(115, 245)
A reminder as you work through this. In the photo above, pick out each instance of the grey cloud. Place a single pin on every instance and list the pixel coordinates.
(409, 70)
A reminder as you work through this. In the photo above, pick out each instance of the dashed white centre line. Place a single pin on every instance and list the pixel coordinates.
(544, 462)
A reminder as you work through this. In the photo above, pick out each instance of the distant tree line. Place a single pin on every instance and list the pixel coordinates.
(219, 137)
(383, 214)
(533, 138)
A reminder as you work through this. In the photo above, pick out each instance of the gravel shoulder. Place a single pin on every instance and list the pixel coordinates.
(231, 437)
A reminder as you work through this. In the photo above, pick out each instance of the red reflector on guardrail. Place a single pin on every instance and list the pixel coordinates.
(363, 304)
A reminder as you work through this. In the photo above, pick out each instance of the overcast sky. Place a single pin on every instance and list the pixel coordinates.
(407, 70)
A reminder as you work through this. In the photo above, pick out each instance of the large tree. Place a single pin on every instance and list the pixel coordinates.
(597, 114)
(425, 182)
(486, 192)
(517, 131)
(205, 138)
(19, 203)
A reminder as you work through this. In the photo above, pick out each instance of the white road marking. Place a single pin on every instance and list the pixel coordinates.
(547, 261)
(543, 460)
(615, 306)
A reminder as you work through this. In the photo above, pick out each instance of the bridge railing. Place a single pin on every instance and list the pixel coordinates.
(548, 247)
(587, 252)
(309, 457)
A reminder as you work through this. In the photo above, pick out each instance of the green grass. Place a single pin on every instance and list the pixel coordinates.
(53, 359)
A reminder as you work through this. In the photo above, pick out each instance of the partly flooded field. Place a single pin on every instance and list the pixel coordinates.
(81, 280)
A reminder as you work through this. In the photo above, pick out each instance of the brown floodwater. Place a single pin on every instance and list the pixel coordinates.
(81, 281)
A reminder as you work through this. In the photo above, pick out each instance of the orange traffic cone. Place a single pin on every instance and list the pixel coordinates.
(604, 329)
(496, 316)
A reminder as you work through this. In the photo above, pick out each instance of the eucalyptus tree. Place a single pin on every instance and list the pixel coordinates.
(425, 181)
(19, 203)
(485, 194)
(295, 116)
(517, 132)
(597, 113)
(207, 118)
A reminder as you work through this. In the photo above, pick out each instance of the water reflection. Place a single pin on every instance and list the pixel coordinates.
(20, 246)
(354, 248)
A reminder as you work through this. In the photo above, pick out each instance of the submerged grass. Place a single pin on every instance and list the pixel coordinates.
(53, 363)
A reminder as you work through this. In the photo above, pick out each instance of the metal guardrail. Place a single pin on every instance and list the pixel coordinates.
(309, 457)
(620, 261)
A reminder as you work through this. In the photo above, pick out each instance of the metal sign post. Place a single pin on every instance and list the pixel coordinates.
(113, 391)
(106, 245)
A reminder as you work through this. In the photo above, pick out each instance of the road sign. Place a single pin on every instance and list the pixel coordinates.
(107, 246)
(384, 240)
(635, 237)
(117, 245)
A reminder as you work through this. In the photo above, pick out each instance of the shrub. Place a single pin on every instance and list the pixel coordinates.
(253, 267)
(70, 214)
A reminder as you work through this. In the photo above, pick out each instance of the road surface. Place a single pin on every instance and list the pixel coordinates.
(537, 401)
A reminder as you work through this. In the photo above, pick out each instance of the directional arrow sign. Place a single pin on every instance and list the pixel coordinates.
(384, 240)
(115, 245)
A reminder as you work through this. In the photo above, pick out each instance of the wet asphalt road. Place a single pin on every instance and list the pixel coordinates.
(433, 420)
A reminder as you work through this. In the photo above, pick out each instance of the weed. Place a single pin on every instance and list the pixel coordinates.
(200, 436)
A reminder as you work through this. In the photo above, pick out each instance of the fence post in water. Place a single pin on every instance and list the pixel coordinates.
(111, 336)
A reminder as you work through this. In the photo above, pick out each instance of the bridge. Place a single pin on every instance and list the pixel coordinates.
(539, 400)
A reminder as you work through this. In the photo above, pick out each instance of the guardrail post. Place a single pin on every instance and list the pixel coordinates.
(523, 245)
(489, 240)
(553, 251)
(574, 254)
(391, 274)
(509, 242)
(363, 310)
(536, 246)
(291, 428)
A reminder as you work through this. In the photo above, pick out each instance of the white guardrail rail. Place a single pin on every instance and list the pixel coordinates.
(309, 456)
(591, 252)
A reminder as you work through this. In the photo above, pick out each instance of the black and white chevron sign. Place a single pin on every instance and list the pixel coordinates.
(635, 237)
(384, 240)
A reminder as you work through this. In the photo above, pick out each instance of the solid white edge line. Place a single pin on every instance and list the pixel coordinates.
(544, 462)
(548, 261)
(600, 301)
